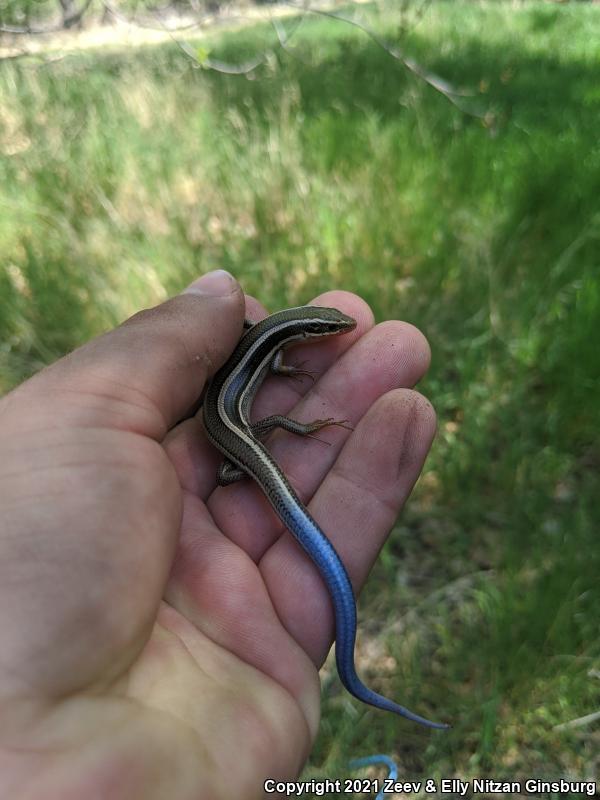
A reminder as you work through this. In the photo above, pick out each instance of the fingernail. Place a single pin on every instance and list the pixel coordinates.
(216, 284)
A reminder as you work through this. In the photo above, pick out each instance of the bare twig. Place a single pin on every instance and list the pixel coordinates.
(222, 66)
(250, 65)
(201, 55)
(580, 722)
(449, 91)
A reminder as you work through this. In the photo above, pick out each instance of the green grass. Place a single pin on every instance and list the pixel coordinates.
(125, 174)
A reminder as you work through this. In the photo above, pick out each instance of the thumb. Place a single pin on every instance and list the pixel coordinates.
(150, 370)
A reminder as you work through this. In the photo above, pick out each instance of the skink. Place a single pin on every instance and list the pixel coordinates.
(226, 411)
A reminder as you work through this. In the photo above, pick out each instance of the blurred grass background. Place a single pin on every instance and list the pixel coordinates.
(124, 173)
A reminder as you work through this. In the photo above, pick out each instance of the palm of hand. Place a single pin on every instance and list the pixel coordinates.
(157, 627)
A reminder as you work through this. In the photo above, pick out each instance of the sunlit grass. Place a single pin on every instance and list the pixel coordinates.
(123, 176)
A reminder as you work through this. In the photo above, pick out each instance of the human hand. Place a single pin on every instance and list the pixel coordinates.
(160, 637)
